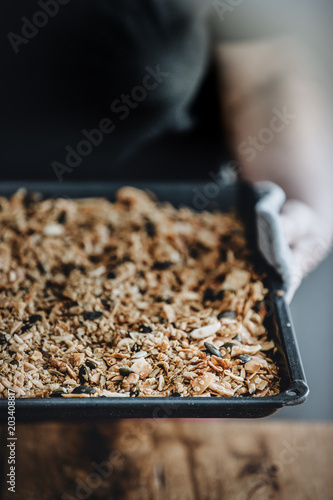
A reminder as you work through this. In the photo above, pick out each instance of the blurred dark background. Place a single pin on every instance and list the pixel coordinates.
(61, 77)
(64, 78)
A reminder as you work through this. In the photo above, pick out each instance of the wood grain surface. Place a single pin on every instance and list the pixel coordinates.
(169, 460)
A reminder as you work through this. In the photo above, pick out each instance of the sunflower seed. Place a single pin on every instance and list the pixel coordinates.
(227, 315)
(84, 375)
(228, 346)
(213, 350)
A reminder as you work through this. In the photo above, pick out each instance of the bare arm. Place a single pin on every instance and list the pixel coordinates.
(274, 115)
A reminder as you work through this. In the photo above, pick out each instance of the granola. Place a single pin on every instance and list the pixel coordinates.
(129, 299)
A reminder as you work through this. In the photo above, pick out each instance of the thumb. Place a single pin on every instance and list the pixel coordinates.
(297, 220)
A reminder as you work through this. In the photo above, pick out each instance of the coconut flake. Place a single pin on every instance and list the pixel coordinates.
(205, 331)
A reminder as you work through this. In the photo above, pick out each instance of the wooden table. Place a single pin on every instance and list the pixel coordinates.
(169, 460)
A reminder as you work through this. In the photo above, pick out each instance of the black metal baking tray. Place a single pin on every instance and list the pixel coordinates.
(294, 388)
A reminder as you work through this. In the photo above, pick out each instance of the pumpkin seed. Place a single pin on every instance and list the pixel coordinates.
(4, 337)
(84, 389)
(213, 350)
(125, 371)
(92, 315)
(41, 268)
(31, 198)
(167, 300)
(136, 347)
(58, 393)
(25, 328)
(223, 255)
(34, 318)
(220, 278)
(62, 217)
(150, 229)
(91, 364)
(82, 269)
(194, 253)
(244, 358)
(31, 321)
(162, 266)
(257, 306)
(209, 295)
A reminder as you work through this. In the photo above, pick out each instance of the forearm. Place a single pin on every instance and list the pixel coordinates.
(277, 127)
(274, 116)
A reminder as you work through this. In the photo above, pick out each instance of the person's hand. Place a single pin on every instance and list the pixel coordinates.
(275, 123)
(309, 237)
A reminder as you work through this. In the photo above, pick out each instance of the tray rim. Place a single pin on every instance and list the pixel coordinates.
(296, 394)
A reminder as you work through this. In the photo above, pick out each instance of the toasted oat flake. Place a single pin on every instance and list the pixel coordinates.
(132, 287)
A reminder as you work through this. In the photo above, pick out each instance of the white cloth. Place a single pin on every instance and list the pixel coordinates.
(271, 240)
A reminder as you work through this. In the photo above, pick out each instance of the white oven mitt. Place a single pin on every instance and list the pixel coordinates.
(271, 240)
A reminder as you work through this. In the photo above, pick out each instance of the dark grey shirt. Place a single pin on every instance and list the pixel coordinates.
(113, 89)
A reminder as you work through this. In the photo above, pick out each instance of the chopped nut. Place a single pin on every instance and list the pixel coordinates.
(36, 356)
(77, 358)
(142, 368)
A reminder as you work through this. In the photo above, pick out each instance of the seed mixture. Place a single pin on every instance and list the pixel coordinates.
(131, 299)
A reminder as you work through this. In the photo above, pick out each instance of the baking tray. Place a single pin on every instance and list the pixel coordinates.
(294, 388)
